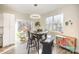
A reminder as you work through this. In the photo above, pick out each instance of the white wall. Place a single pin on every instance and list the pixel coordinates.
(71, 13)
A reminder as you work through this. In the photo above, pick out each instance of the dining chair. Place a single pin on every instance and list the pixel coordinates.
(43, 37)
(31, 42)
(47, 45)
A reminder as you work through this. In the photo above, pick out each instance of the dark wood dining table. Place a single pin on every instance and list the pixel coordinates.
(38, 36)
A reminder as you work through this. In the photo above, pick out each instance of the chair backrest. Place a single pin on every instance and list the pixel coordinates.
(44, 37)
(30, 36)
(39, 30)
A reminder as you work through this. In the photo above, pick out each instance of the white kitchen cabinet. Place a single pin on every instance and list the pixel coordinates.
(8, 24)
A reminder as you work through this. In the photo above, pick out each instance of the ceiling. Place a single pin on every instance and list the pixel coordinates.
(31, 9)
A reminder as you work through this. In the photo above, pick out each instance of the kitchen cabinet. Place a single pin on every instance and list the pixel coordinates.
(8, 29)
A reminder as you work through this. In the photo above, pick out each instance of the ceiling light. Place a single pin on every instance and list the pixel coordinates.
(35, 16)
(35, 5)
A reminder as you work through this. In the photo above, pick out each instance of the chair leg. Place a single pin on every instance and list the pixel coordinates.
(28, 47)
(36, 45)
(28, 50)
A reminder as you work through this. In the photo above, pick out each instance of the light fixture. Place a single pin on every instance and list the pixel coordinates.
(35, 5)
(35, 16)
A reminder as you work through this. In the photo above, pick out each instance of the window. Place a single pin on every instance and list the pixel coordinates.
(21, 23)
(49, 21)
(55, 23)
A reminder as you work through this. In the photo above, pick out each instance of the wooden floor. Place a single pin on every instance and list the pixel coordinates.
(20, 48)
(55, 50)
(5, 48)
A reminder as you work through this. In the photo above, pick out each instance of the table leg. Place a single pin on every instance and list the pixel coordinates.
(38, 46)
